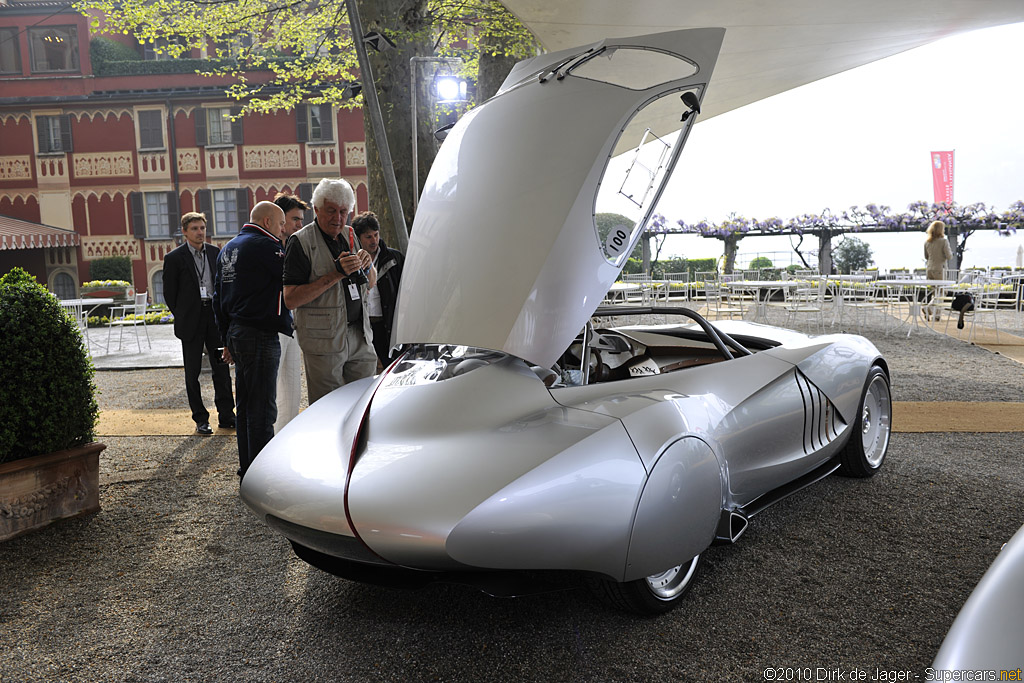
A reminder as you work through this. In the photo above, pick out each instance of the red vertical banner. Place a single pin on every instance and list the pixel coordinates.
(942, 177)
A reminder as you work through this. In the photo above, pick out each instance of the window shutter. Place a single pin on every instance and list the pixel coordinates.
(301, 123)
(41, 129)
(242, 206)
(135, 204)
(327, 122)
(173, 212)
(236, 127)
(305, 192)
(200, 127)
(65, 133)
(151, 133)
(205, 201)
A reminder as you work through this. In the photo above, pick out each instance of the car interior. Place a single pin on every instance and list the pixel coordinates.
(607, 354)
(599, 353)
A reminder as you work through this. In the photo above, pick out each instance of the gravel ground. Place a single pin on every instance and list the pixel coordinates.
(174, 580)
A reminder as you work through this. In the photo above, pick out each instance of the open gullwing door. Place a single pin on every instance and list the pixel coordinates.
(506, 251)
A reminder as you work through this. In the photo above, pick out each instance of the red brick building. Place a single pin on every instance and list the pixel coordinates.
(118, 158)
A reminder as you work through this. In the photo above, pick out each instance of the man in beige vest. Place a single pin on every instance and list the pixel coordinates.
(326, 278)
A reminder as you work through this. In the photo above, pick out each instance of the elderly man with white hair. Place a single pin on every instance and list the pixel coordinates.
(326, 278)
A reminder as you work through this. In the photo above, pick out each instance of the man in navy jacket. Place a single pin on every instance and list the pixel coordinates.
(250, 312)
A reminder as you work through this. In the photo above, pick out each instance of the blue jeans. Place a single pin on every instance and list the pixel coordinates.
(256, 354)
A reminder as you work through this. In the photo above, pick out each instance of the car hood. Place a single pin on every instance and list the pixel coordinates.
(506, 251)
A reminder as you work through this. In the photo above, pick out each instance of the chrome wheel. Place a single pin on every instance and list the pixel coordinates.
(876, 418)
(869, 431)
(655, 594)
(670, 584)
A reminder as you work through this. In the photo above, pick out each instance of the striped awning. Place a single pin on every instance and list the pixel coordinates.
(18, 234)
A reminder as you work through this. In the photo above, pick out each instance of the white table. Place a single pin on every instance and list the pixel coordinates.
(761, 291)
(837, 292)
(87, 305)
(916, 287)
(619, 292)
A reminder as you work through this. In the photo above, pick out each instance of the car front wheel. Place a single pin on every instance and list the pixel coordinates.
(651, 595)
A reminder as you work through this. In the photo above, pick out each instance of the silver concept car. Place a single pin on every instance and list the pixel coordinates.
(517, 436)
(986, 635)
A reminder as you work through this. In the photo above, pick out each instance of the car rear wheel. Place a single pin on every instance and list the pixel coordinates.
(655, 594)
(869, 439)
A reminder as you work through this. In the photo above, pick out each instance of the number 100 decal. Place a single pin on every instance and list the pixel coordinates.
(616, 242)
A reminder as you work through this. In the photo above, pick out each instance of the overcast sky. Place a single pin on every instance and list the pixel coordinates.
(864, 136)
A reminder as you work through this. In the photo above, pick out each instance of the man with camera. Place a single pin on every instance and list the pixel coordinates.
(326, 279)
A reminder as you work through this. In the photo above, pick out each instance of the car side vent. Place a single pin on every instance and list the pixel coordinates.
(822, 422)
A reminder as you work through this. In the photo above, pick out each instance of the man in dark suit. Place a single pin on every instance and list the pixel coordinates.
(189, 272)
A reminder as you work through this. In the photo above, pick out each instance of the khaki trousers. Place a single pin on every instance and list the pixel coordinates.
(325, 372)
(289, 381)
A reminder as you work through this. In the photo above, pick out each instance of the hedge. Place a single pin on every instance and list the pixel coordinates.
(47, 393)
(111, 268)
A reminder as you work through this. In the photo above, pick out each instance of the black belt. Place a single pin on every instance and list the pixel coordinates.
(355, 323)
(207, 302)
(376, 318)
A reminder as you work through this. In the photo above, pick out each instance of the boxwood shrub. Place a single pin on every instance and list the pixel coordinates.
(47, 393)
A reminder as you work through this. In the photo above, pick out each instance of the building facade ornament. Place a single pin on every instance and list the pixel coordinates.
(103, 165)
(15, 168)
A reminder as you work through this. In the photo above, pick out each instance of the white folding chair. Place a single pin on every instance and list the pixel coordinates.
(857, 300)
(130, 315)
(76, 311)
(721, 303)
(807, 298)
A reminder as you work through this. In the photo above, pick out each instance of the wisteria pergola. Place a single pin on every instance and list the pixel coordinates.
(961, 222)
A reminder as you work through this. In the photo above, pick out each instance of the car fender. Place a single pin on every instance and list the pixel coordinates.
(574, 511)
(678, 509)
(837, 365)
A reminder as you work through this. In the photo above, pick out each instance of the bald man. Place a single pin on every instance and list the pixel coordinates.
(249, 305)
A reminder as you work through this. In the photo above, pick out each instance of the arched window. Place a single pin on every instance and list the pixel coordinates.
(158, 287)
(63, 286)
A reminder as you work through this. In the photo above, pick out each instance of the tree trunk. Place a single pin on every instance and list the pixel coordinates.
(956, 246)
(491, 69)
(391, 72)
(825, 252)
(732, 243)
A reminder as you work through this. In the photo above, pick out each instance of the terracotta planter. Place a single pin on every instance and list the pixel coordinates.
(107, 292)
(45, 488)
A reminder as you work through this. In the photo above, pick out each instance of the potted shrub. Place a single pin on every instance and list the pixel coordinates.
(49, 464)
(107, 289)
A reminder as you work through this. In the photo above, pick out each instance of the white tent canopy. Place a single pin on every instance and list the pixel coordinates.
(770, 47)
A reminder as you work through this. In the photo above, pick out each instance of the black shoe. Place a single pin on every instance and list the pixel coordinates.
(227, 424)
(204, 429)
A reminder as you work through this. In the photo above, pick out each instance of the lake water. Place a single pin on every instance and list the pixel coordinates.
(985, 249)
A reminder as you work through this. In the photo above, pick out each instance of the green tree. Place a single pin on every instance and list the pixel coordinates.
(605, 222)
(306, 48)
(761, 262)
(851, 254)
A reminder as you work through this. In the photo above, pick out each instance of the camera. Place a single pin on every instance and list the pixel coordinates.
(358, 278)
